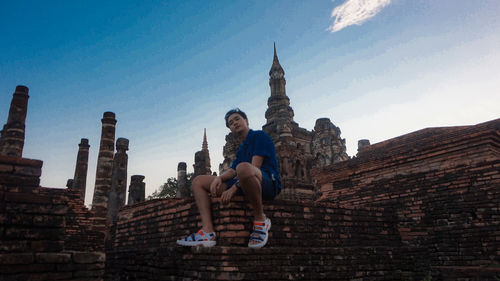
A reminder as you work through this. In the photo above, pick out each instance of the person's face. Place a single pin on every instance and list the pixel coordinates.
(237, 124)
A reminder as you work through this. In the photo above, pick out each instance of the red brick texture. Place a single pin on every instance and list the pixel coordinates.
(422, 206)
(444, 187)
(46, 233)
(308, 240)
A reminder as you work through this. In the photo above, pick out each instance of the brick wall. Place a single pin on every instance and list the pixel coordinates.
(46, 233)
(422, 205)
(307, 241)
(444, 187)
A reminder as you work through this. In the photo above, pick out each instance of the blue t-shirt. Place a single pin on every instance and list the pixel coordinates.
(259, 143)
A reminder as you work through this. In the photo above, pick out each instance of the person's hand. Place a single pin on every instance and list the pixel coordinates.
(216, 187)
(228, 195)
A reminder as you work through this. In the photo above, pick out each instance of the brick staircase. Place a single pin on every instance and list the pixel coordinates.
(308, 241)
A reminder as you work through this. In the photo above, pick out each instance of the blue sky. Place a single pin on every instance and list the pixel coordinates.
(378, 69)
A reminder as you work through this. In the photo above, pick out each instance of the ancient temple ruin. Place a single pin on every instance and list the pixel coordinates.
(298, 149)
(118, 188)
(202, 159)
(81, 167)
(136, 190)
(422, 206)
(12, 134)
(104, 168)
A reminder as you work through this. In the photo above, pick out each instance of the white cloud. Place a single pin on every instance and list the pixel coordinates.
(355, 12)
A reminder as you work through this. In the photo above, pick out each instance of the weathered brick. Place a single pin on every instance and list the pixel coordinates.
(52, 257)
(88, 257)
(16, 258)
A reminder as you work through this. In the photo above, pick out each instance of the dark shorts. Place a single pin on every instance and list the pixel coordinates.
(270, 188)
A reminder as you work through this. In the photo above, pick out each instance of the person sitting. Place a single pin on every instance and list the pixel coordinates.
(254, 173)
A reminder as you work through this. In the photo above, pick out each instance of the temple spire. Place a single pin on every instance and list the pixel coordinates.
(275, 55)
(204, 146)
(276, 69)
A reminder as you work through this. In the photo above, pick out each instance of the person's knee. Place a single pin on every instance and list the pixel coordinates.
(196, 181)
(244, 171)
(199, 182)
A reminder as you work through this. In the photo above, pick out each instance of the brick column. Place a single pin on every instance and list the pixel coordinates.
(182, 189)
(104, 165)
(362, 144)
(136, 190)
(118, 189)
(82, 160)
(12, 141)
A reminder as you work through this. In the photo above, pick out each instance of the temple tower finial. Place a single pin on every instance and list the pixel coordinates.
(275, 55)
(204, 146)
(276, 71)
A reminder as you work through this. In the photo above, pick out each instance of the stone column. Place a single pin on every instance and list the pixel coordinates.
(12, 140)
(362, 144)
(82, 160)
(136, 190)
(118, 189)
(182, 188)
(104, 165)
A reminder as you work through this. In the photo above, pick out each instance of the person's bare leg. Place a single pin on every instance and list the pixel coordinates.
(250, 179)
(201, 192)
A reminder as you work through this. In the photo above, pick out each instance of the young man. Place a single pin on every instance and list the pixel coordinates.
(254, 174)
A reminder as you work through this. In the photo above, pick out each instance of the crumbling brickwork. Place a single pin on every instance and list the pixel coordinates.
(444, 187)
(104, 168)
(45, 233)
(12, 134)
(308, 240)
(81, 168)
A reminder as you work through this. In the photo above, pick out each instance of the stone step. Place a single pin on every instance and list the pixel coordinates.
(300, 224)
(467, 273)
(242, 263)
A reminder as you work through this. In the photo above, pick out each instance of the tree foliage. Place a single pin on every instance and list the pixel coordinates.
(169, 189)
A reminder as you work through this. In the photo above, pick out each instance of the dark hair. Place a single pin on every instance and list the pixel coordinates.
(233, 111)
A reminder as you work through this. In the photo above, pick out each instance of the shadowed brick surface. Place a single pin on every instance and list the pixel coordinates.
(305, 236)
(444, 187)
(45, 233)
(423, 206)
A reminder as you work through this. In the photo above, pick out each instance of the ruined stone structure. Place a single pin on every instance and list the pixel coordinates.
(298, 149)
(70, 183)
(136, 190)
(81, 167)
(118, 190)
(45, 233)
(104, 165)
(182, 188)
(12, 135)
(202, 159)
(229, 152)
(443, 187)
(422, 206)
(362, 144)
